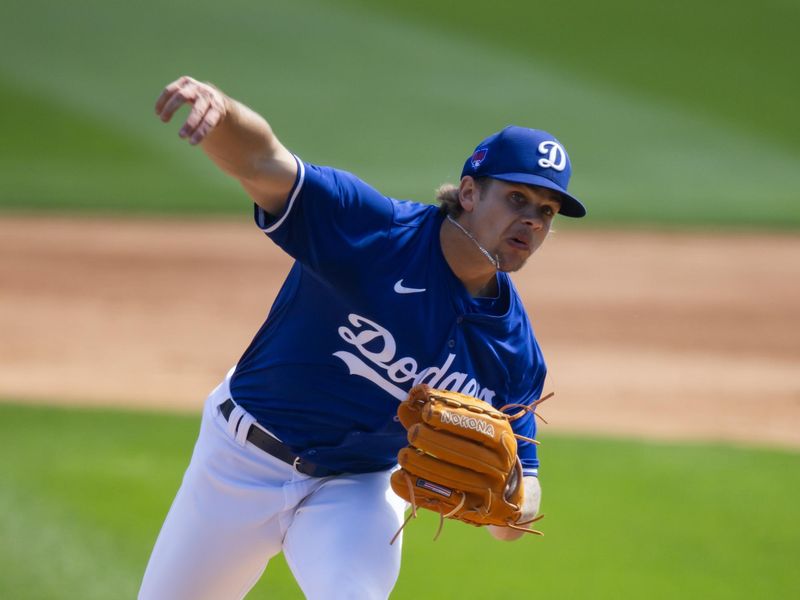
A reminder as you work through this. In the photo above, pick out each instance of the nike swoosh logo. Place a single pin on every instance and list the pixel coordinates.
(401, 289)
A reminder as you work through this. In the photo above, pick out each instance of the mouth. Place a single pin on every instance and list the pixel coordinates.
(520, 243)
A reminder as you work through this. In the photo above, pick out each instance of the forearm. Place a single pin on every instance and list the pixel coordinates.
(530, 508)
(244, 146)
(237, 139)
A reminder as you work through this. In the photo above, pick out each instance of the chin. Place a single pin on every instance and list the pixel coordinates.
(513, 262)
(511, 266)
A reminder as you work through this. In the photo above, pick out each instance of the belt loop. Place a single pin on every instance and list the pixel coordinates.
(244, 428)
(233, 420)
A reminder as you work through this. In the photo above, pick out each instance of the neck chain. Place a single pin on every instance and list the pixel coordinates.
(495, 260)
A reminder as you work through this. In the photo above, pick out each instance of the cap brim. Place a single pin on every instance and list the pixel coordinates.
(570, 205)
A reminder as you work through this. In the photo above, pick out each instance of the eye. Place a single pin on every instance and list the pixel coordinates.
(547, 210)
(517, 199)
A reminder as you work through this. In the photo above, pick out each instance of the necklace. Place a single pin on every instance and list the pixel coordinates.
(495, 260)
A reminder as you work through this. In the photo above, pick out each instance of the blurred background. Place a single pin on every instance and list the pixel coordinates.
(131, 277)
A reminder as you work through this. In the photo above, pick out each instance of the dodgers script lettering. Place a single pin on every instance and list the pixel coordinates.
(380, 365)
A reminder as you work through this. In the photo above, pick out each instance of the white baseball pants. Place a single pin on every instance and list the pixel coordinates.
(238, 507)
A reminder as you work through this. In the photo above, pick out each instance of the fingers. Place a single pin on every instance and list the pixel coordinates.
(210, 120)
(169, 93)
(208, 107)
(196, 115)
(184, 94)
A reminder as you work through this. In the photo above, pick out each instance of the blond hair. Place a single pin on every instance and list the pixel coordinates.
(448, 196)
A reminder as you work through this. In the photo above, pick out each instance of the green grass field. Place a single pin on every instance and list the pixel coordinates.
(83, 494)
(676, 114)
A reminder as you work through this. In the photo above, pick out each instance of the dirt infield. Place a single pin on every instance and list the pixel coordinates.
(677, 336)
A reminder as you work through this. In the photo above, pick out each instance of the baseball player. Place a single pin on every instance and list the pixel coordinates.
(298, 442)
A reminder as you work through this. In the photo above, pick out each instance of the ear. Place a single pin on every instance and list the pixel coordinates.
(468, 193)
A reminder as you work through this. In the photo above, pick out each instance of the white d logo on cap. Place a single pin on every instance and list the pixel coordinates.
(556, 156)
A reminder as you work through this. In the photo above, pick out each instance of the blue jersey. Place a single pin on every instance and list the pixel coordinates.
(369, 309)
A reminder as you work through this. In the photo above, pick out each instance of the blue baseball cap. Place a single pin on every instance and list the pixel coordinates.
(522, 155)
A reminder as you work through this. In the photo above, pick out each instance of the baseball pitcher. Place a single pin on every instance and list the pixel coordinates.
(397, 336)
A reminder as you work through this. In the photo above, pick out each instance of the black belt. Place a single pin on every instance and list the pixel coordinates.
(273, 447)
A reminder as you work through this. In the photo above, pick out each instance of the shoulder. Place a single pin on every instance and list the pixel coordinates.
(345, 183)
(415, 214)
(333, 181)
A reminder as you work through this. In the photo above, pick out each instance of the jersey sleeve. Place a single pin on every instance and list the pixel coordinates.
(526, 426)
(333, 223)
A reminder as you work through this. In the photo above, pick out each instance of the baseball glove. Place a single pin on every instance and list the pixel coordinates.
(461, 461)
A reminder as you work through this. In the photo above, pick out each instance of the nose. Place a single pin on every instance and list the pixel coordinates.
(533, 217)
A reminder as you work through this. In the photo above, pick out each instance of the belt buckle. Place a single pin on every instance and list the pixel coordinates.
(296, 463)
